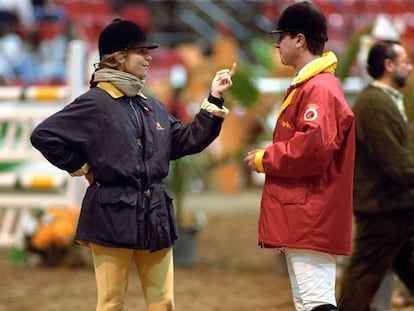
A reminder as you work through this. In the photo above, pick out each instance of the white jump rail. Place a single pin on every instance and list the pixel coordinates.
(39, 93)
(17, 122)
(37, 184)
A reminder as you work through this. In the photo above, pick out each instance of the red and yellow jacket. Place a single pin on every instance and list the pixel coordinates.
(309, 167)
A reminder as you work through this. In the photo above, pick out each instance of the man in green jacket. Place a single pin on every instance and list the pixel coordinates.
(384, 181)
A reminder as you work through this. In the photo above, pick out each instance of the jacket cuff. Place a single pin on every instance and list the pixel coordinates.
(82, 171)
(215, 100)
(258, 161)
(214, 109)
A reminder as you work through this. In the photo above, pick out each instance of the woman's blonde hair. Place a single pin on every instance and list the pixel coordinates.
(108, 61)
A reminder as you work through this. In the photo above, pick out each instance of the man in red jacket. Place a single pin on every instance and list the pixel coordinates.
(306, 208)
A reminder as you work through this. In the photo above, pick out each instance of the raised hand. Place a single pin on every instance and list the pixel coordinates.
(222, 81)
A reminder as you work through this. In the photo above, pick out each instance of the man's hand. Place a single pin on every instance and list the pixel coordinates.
(249, 159)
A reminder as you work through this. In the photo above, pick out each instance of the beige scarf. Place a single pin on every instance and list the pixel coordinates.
(127, 83)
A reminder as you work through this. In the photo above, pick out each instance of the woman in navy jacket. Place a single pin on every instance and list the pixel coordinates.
(123, 141)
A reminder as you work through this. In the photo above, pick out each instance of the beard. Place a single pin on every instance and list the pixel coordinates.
(399, 80)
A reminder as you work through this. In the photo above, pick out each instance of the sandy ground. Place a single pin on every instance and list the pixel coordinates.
(231, 273)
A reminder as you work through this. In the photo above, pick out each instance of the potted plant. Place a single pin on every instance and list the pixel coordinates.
(189, 225)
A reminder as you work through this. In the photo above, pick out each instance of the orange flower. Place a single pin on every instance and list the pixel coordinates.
(43, 237)
(59, 229)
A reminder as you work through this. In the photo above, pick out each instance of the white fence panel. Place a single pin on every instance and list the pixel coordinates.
(27, 180)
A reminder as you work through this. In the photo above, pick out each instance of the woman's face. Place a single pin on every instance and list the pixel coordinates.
(137, 62)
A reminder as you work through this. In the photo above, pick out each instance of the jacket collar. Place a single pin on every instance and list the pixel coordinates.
(113, 91)
(326, 63)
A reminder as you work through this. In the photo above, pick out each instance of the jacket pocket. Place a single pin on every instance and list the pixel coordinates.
(116, 217)
(163, 225)
(289, 191)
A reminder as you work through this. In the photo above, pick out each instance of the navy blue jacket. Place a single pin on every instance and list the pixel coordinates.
(128, 143)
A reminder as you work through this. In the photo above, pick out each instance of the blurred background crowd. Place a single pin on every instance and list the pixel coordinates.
(34, 33)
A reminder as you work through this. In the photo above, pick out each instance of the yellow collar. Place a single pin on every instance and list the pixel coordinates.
(113, 91)
(326, 63)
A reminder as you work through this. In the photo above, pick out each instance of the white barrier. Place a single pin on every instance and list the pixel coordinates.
(33, 93)
(16, 124)
(27, 180)
(30, 182)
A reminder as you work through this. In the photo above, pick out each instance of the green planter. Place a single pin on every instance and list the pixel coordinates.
(185, 248)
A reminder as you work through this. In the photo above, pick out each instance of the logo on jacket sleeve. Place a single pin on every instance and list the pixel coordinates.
(311, 113)
(285, 124)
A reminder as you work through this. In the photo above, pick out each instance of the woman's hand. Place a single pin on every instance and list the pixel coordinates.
(222, 81)
(90, 178)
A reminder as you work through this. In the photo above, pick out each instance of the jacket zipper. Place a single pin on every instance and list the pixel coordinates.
(137, 119)
(146, 192)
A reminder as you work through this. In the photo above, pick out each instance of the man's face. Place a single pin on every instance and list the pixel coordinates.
(286, 43)
(403, 67)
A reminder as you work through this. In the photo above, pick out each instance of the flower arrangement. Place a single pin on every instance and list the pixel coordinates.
(47, 237)
(53, 236)
(56, 229)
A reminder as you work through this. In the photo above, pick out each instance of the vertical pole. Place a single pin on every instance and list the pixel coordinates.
(76, 85)
(76, 68)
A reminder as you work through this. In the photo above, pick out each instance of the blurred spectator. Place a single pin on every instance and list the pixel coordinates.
(37, 58)
(26, 62)
(383, 181)
(46, 10)
(53, 52)
(11, 46)
(17, 11)
(31, 52)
